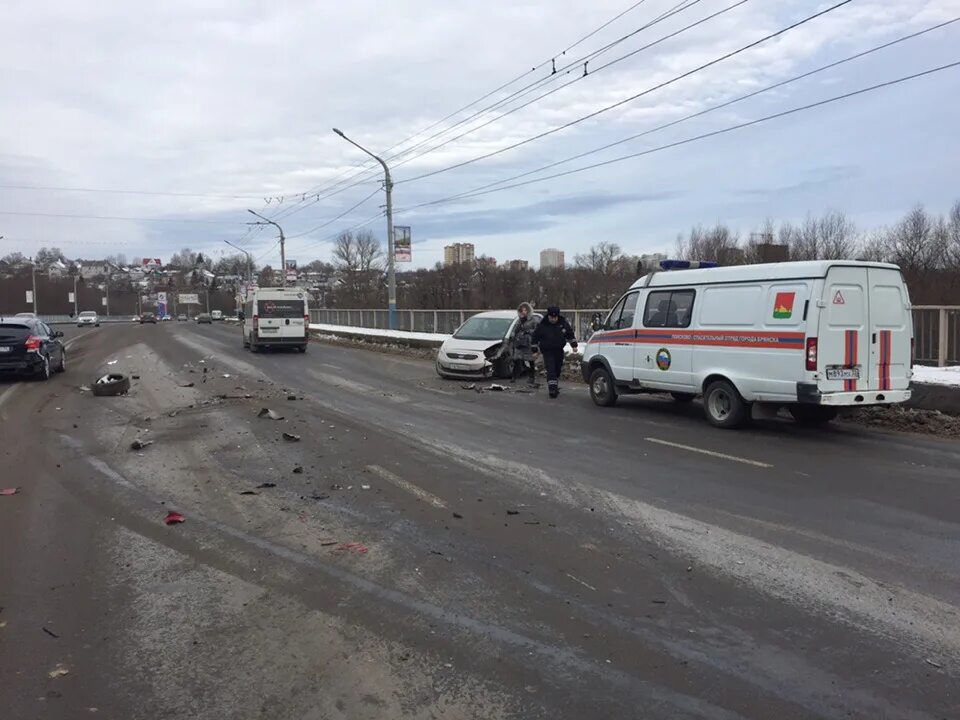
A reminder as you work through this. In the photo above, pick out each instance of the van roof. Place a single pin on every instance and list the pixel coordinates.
(747, 273)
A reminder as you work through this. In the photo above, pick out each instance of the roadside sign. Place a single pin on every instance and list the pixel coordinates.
(291, 275)
(188, 298)
(402, 244)
(161, 305)
(29, 297)
(71, 297)
(103, 301)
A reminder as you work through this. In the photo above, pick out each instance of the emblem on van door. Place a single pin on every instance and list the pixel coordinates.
(663, 359)
(783, 305)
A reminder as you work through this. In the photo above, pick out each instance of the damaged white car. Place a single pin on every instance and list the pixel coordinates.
(480, 348)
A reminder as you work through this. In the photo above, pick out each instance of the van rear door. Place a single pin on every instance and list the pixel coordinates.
(891, 328)
(281, 317)
(843, 338)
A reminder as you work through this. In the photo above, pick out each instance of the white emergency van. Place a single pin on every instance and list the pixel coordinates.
(810, 336)
(276, 317)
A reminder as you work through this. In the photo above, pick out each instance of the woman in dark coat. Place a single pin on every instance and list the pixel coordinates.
(521, 343)
(550, 338)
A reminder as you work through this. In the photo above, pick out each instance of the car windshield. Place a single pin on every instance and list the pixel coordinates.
(88, 313)
(484, 328)
(281, 308)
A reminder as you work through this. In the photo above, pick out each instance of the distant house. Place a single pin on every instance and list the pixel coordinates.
(58, 269)
(95, 268)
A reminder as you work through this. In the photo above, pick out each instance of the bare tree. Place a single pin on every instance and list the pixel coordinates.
(836, 236)
(358, 259)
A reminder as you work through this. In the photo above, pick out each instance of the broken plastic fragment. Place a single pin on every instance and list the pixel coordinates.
(58, 671)
(140, 444)
(268, 413)
(290, 437)
(173, 518)
(9, 491)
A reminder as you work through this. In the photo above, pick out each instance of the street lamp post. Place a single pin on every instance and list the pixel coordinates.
(283, 251)
(391, 269)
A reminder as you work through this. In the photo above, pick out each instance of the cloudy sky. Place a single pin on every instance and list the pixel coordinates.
(209, 107)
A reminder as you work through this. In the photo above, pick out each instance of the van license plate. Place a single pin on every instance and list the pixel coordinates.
(4, 348)
(268, 329)
(843, 373)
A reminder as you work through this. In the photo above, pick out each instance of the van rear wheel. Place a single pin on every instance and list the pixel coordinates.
(723, 405)
(603, 392)
(812, 415)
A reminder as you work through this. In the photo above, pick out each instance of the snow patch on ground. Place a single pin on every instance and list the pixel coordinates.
(937, 375)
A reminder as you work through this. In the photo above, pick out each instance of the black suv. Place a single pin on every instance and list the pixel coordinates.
(29, 347)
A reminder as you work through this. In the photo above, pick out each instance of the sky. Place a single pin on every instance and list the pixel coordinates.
(193, 112)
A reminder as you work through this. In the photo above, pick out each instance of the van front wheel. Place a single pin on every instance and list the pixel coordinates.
(603, 392)
(723, 405)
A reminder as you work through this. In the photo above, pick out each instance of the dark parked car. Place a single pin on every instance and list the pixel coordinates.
(205, 318)
(148, 318)
(30, 347)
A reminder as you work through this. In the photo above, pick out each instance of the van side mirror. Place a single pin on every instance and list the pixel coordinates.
(596, 322)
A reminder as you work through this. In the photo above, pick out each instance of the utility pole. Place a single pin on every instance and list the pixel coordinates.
(33, 277)
(283, 251)
(391, 268)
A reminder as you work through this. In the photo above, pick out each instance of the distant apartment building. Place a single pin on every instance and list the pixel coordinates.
(518, 265)
(458, 254)
(551, 258)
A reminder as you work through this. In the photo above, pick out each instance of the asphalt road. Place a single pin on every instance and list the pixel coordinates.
(446, 554)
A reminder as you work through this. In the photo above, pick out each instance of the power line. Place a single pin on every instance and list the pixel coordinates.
(129, 192)
(703, 136)
(333, 236)
(700, 113)
(526, 90)
(330, 222)
(620, 103)
(370, 165)
(577, 79)
(112, 217)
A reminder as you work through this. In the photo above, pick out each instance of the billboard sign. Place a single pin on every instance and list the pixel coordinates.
(161, 305)
(402, 244)
(188, 298)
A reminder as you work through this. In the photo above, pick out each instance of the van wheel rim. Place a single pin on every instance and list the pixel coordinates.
(600, 387)
(720, 404)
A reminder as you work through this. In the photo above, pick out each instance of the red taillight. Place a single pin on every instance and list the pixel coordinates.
(256, 321)
(811, 353)
(306, 319)
(33, 342)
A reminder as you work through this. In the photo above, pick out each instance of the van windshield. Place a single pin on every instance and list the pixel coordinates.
(281, 308)
(478, 328)
(88, 313)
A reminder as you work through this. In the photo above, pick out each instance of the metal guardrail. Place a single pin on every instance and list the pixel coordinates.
(936, 328)
(429, 321)
(936, 332)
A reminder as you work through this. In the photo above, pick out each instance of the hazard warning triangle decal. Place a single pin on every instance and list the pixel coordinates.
(838, 299)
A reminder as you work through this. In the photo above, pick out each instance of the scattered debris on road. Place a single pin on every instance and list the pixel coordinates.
(111, 384)
(513, 512)
(904, 419)
(187, 385)
(173, 518)
(298, 470)
(291, 397)
(112, 362)
(140, 444)
(364, 487)
(50, 633)
(134, 377)
(268, 413)
(934, 664)
(496, 388)
(58, 671)
(458, 516)
(9, 491)
(249, 492)
(353, 547)
(469, 386)
(328, 543)
(290, 437)
(266, 485)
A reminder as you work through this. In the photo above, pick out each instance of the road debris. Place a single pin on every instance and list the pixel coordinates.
(140, 444)
(659, 602)
(320, 496)
(469, 386)
(112, 362)
(458, 516)
(268, 413)
(353, 547)
(930, 662)
(187, 385)
(50, 633)
(336, 486)
(223, 396)
(291, 397)
(58, 671)
(9, 491)
(290, 437)
(496, 388)
(111, 384)
(578, 580)
(249, 492)
(364, 487)
(266, 485)
(134, 377)
(173, 518)
(226, 375)
(328, 543)
(513, 512)
(298, 470)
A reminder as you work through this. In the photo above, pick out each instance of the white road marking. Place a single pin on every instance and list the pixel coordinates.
(702, 451)
(418, 492)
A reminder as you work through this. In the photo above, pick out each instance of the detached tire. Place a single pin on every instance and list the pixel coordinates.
(723, 405)
(603, 391)
(812, 415)
(115, 384)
